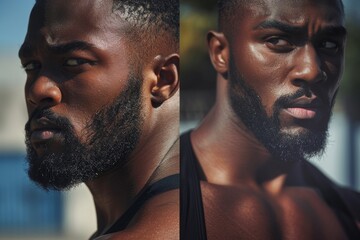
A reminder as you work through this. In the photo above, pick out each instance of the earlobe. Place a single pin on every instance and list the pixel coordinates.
(218, 51)
(167, 83)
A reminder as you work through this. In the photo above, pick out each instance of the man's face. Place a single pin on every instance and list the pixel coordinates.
(285, 66)
(83, 101)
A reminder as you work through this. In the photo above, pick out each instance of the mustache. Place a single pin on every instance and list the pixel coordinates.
(286, 100)
(61, 122)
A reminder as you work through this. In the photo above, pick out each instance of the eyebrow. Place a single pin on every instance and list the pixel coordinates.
(70, 47)
(27, 50)
(268, 24)
(330, 30)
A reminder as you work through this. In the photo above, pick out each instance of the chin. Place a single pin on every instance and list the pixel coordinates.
(297, 131)
(300, 143)
(294, 131)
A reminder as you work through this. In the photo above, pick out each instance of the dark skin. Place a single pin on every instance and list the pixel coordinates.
(78, 82)
(243, 184)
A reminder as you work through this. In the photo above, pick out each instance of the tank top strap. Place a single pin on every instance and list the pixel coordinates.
(192, 220)
(163, 185)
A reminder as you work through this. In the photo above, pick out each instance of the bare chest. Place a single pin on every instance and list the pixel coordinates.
(294, 214)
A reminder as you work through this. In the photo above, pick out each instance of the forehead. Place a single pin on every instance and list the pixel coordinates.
(297, 12)
(59, 12)
(61, 21)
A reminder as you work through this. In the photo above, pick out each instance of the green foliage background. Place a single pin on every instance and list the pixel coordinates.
(196, 20)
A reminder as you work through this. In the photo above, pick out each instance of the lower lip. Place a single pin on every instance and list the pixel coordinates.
(42, 135)
(301, 113)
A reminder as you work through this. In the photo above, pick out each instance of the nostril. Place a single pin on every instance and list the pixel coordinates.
(320, 77)
(299, 82)
(47, 100)
(44, 101)
(43, 92)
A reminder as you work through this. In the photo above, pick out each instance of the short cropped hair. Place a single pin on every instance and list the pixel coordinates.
(150, 14)
(162, 15)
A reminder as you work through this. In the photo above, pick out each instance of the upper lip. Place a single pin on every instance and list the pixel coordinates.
(305, 102)
(42, 123)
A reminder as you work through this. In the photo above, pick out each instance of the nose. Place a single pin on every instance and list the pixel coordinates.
(42, 92)
(307, 67)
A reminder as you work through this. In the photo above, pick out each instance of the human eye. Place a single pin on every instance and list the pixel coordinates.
(329, 45)
(74, 62)
(31, 66)
(277, 43)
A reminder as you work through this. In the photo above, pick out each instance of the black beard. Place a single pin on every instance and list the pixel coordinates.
(246, 104)
(111, 136)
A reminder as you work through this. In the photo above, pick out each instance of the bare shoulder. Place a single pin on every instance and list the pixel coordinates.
(157, 219)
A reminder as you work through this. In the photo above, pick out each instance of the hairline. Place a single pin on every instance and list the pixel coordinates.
(223, 7)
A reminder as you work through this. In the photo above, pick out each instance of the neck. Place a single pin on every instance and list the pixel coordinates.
(153, 159)
(229, 153)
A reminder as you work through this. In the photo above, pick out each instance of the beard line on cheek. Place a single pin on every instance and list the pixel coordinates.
(110, 137)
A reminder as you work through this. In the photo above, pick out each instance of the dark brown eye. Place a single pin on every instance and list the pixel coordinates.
(329, 45)
(31, 66)
(73, 62)
(278, 42)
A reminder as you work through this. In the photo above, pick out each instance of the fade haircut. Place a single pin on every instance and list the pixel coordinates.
(151, 13)
(228, 9)
(153, 27)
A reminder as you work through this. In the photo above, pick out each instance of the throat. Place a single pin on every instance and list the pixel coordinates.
(274, 176)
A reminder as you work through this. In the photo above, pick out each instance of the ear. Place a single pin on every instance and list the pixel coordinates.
(167, 78)
(218, 48)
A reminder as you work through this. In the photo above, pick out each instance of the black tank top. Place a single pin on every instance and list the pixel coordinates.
(192, 220)
(163, 185)
(335, 198)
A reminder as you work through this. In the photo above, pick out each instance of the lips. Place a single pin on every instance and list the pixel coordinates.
(305, 108)
(42, 130)
(302, 113)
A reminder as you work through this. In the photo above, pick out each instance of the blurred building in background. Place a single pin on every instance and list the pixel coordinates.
(27, 211)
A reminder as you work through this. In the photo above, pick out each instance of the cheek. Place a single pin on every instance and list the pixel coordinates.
(93, 90)
(26, 96)
(334, 71)
(83, 98)
(264, 72)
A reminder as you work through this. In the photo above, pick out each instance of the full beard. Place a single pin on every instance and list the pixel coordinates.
(285, 146)
(111, 136)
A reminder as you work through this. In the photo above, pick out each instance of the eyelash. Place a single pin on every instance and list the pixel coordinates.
(36, 65)
(79, 62)
(273, 43)
(277, 38)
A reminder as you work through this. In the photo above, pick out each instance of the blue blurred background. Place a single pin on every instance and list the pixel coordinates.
(27, 212)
